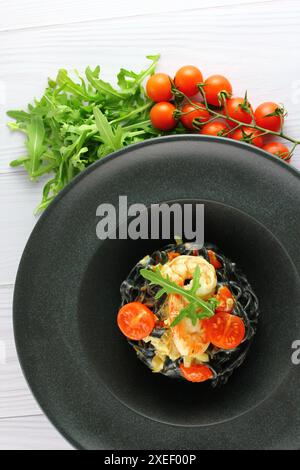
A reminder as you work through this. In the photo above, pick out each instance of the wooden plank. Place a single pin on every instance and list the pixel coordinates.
(18, 200)
(15, 397)
(30, 433)
(36, 13)
(241, 41)
(235, 35)
(235, 39)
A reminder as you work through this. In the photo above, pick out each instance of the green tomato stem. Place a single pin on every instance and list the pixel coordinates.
(252, 125)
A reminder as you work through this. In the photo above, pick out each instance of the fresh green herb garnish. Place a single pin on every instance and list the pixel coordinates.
(196, 309)
(79, 121)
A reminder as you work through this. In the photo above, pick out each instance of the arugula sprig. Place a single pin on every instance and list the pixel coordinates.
(80, 119)
(196, 309)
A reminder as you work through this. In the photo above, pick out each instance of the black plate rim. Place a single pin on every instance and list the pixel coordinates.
(182, 137)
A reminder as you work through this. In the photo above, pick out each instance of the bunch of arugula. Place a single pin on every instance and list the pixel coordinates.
(77, 122)
(196, 309)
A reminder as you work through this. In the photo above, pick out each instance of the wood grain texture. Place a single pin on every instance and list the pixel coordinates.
(15, 396)
(239, 41)
(30, 433)
(252, 42)
(36, 13)
(18, 200)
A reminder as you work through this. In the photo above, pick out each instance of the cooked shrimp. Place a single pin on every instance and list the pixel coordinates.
(183, 267)
(189, 339)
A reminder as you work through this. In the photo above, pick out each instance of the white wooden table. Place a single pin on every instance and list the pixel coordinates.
(253, 42)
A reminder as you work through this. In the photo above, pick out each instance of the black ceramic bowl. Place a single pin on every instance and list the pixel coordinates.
(82, 371)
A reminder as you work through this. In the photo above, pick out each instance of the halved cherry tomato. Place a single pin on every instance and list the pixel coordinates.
(278, 149)
(249, 135)
(226, 300)
(196, 373)
(187, 78)
(135, 320)
(159, 87)
(213, 259)
(162, 116)
(263, 118)
(190, 113)
(234, 107)
(214, 85)
(225, 331)
(214, 128)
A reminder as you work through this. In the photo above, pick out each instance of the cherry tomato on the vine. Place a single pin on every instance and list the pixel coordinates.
(135, 320)
(214, 128)
(159, 87)
(278, 149)
(190, 113)
(162, 116)
(235, 110)
(263, 118)
(196, 373)
(249, 135)
(225, 331)
(187, 78)
(214, 85)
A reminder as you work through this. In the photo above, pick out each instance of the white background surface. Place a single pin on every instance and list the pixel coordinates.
(254, 43)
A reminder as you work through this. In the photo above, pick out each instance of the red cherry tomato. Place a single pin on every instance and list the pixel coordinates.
(225, 331)
(187, 78)
(196, 373)
(235, 110)
(249, 135)
(162, 116)
(213, 259)
(262, 118)
(190, 113)
(278, 149)
(135, 320)
(226, 300)
(215, 85)
(159, 87)
(214, 128)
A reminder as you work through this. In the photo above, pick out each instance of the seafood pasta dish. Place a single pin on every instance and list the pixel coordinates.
(189, 314)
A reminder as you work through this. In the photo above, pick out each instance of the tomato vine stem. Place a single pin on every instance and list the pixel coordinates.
(216, 114)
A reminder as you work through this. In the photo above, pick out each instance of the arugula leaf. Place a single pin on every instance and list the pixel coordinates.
(188, 311)
(104, 87)
(196, 281)
(150, 70)
(35, 143)
(68, 84)
(79, 120)
(170, 287)
(77, 161)
(19, 161)
(213, 302)
(19, 115)
(128, 80)
(112, 139)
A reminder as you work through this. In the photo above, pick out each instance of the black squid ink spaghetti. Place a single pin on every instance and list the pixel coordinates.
(189, 313)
